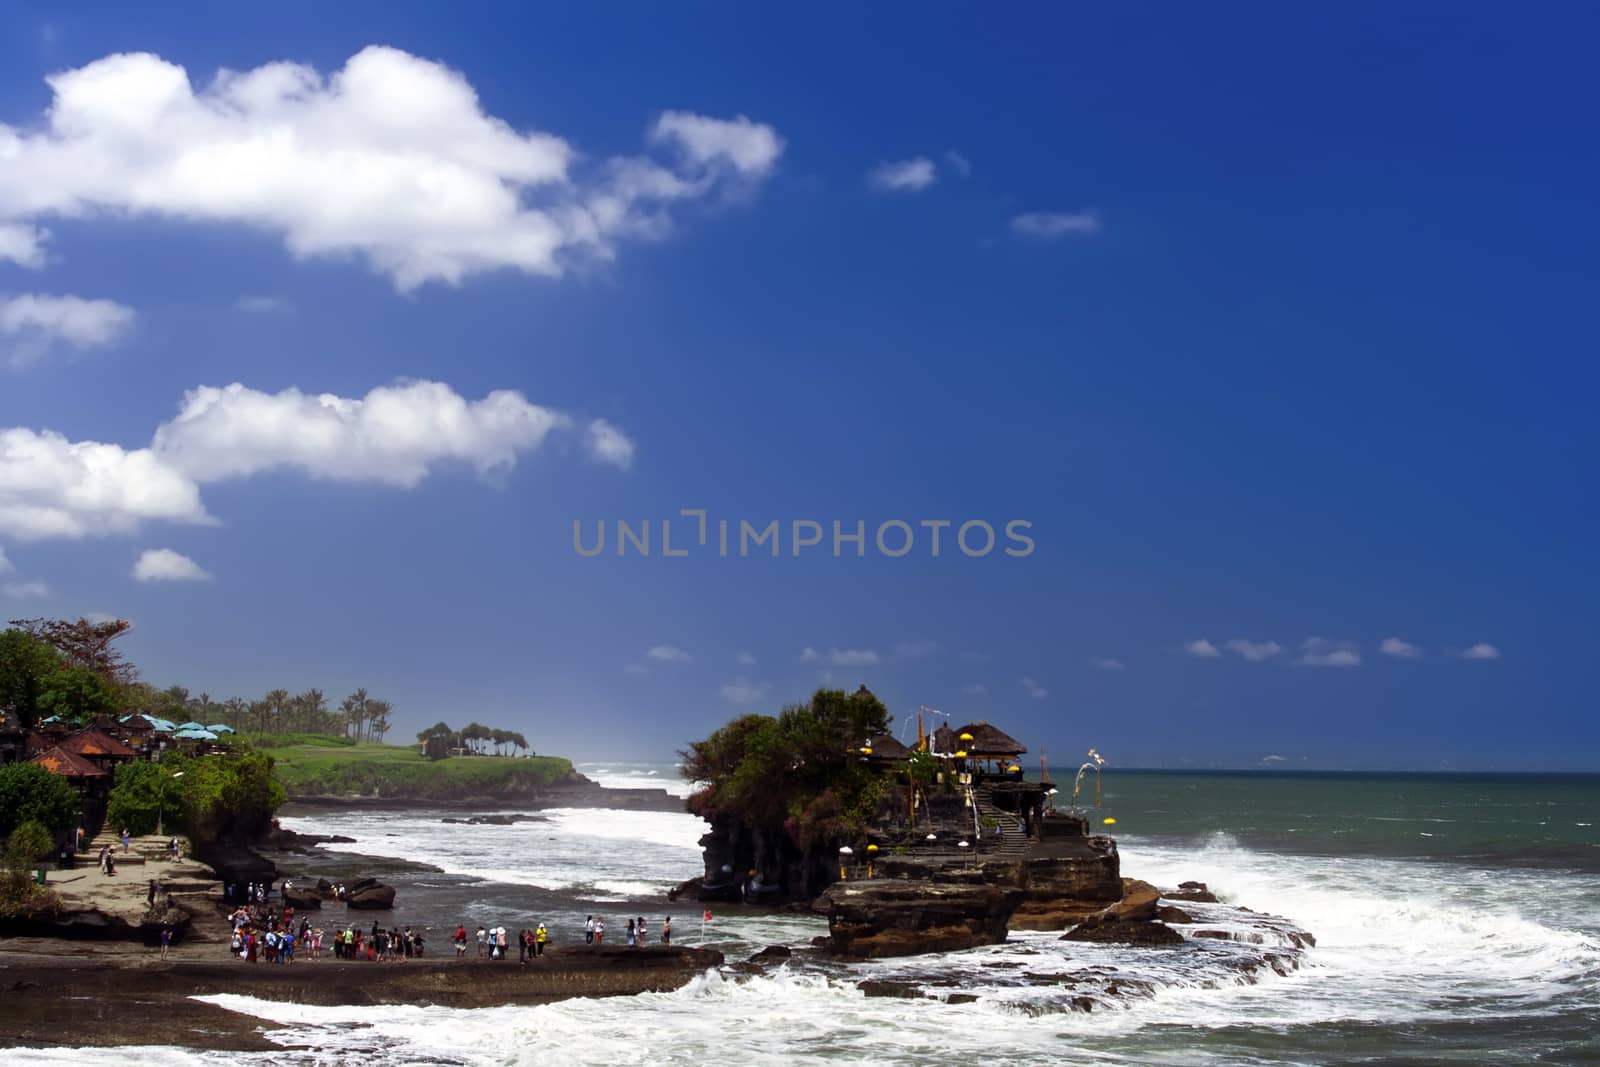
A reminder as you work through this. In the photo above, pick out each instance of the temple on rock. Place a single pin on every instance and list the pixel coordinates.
(959, 839)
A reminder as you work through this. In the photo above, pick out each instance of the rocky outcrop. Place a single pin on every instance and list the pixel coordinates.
(369, 894)
(495, 820)
(1133, 920)
(903, 917)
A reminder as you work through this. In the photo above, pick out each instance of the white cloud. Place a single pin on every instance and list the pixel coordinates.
(394, 435)
(6, 566)
(33, 324)
(668, 654)
(1108, 663)
(391, 158)
(1393, 646)
(742, 690)
(22, 244)
(54, 488)
(1200, 648)
(33, 590)
(916, 649)
(1034, 689)
(746, 659)
(957, 162)
(1321, 652)
(608, 444)
(1049, 225)
(265, 305)
(1255, 651)
(904, 176)
(1481, 651)
(841, 657)
(1273, 759)
(165, 565)
(976, 689)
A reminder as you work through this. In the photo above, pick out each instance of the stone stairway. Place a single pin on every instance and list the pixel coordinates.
(1013, 842)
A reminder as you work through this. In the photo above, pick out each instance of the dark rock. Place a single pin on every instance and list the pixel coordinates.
(1215, 935)
(689, 887)
(302, 897)
(369, 894)
(1121, 933)
(773, 952)
(882, 917)
(881, 988)
(1192, 885)
(495, 820)
(1194, 896)
(961, 998)
(1170, 914)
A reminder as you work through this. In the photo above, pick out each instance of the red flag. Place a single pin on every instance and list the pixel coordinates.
(706, 917)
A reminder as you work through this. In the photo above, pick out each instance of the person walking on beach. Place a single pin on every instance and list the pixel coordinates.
(522, 945)
(166, 938)
(150, 894)
(461, 941)
(124, 839)
(632, 936)
(540, 936)
(640, 930)
(588, 930)
(599, 929)
(482, 937)
(500, 941)
(666, 930)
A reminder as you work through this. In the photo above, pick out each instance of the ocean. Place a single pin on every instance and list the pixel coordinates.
(1457, 919)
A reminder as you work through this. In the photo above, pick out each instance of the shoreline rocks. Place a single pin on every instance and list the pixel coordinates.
(875, 918)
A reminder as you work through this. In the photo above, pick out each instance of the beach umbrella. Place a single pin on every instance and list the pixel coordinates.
(191, 725)
(220, 728)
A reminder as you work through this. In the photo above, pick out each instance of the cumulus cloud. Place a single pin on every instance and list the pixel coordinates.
(54, 488)
(395, 435)
(1200, 648)
(742, 690)
(1321, 652)
(1050, 225)
(1255, 651)
(1481, 651)
(957, 162)
(22, 244)
(165, 565)
(1108, 663)
(391, 158)
(608, 444)
(903, 176)
(668, 654)
(1393, 646)
(1034, 689)
(31, 590)
(33, 324)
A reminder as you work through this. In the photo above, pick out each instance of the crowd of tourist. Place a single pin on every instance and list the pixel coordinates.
(263, 932)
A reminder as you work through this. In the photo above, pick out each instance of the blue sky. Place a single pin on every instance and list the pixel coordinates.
(1274, 326)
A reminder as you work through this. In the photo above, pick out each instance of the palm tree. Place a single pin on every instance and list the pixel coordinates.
(313, 708)
(378, 716)
(354, 708)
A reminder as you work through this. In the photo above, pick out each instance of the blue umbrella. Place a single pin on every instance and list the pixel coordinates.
(201, 734)
(221, 728)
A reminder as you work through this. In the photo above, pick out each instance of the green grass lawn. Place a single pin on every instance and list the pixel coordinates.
(309, 765)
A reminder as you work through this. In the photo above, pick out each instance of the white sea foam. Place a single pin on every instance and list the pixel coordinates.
(1401, 944)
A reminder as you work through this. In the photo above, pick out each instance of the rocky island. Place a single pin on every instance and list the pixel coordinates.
(906, 850)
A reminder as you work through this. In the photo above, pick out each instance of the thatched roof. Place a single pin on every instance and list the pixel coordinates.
(989, 741)
(137, 724)
(885, 747)
(67, 764)
(864, 693)
(943, 741)
(97, 744)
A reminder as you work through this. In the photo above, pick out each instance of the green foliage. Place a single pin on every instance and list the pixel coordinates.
(29, 793)
(799, 770)
(77, 694)
(27, 844)
(19, 896)
(206, 797)
(26, 665)
(402, 771)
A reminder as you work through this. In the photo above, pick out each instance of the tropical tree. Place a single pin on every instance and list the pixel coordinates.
(378, 719)
(86, 644)
(29, 793)
(26, 666)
